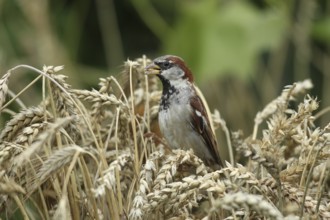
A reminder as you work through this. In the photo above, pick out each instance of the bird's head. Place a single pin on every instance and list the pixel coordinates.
(171, 69)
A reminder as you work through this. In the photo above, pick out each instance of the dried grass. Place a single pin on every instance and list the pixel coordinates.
(97, 154)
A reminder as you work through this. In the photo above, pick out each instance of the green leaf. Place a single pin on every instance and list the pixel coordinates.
(225, 38)
(321, 30)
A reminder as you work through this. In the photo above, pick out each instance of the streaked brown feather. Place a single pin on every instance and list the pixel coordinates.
(201, 125)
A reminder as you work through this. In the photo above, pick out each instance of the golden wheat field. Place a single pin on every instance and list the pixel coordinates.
(97, 154)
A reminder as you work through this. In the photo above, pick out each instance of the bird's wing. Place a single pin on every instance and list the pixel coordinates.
(201, 123)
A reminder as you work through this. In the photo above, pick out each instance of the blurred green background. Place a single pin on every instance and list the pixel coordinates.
(242, 53)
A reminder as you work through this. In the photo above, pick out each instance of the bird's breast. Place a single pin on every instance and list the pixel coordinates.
(175, 118)
(174, 124)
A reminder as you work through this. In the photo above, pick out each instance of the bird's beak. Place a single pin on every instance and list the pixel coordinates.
(152, 69)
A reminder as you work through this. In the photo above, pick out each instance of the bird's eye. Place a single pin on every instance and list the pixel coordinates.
(166, 64)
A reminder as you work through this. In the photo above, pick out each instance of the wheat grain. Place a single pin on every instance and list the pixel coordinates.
(168, 171)
(29, 133)
(64, 104)
(42, 139)
(56, 161)
(238, 176)
(146, 179)
(135, 174)
(8, 151)
(108, 179)
(97, 97)
(186, 193)
(173, 194)
(247, 201)
(25, 118)
(297, 196)
(98, 110)
(281, 102)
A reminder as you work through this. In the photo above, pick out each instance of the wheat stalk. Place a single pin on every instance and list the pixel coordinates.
(4, 88)
(131, 175)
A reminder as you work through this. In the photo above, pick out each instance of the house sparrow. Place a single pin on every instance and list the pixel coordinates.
(183, 118)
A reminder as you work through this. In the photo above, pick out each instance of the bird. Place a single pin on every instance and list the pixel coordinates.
(183, 118)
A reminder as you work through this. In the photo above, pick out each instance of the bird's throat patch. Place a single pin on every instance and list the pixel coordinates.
(168, 92)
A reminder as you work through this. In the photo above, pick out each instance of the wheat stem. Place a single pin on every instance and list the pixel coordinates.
(20, 92)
